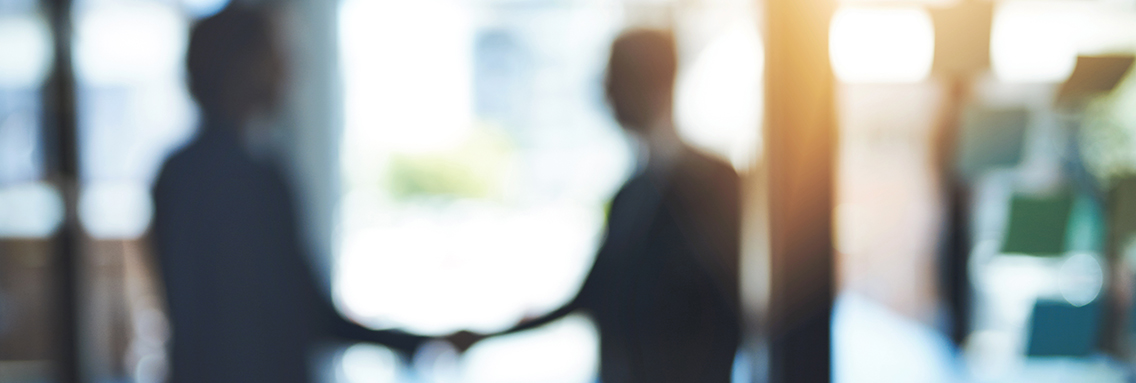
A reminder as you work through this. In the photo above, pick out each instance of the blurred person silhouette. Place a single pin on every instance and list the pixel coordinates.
(244, 304)
(664, 288)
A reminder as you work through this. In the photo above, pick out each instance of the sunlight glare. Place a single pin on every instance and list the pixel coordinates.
(882, 45)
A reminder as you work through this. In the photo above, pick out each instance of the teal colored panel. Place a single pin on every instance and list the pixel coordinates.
(1061, 329)
(1038, 225)
(1086, 226)
(991, 138)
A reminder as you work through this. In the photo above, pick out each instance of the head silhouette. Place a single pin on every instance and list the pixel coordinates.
(234, 64)
(641, 77)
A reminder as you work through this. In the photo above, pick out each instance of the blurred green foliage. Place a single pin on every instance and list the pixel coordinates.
(479, 168)
(1108, 134)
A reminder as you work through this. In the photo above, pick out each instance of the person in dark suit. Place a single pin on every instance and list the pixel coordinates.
(664, 287)
(243, 302)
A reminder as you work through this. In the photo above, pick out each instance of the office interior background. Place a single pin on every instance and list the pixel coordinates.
(974, 174)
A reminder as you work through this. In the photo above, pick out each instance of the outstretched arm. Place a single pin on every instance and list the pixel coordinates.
(463, 340)
(326, 316)
(397, 340)
(337, 326)
(528, 324)
(601, 270)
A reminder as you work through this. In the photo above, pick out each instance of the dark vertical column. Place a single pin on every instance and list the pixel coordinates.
(60, 128)
(955, 242)
(955, 259)
(800, 146)
(962, 52)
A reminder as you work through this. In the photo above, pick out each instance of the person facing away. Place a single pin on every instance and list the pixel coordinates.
(243, 303)
(663, 291)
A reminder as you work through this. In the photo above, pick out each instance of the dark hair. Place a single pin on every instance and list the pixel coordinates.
(224, 49)
(641, 75)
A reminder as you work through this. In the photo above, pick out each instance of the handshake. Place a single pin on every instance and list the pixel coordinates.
(464, 340)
